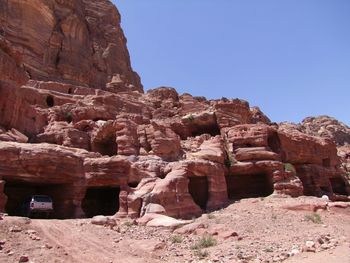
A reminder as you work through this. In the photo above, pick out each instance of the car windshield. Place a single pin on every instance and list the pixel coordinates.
(42, 198)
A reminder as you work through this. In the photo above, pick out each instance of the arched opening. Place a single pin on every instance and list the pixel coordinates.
(338, 186)
(50, 101)
(307, 175)
(19, 192)
(107, 146)
(70, 91)
(101, 201)
(198, 188)
(249, 186)
(213, 130)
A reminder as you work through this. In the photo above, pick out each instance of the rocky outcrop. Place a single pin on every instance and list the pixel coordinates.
(76, 125)
(327, 127)
(79, 42)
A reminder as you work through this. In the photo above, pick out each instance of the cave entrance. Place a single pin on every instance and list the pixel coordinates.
(249, 186)
(50, 102)
(339, 186)
(107, 146)
(274, 142)
(212, 129)
(18, 192)
(101, 201)
(198, 188)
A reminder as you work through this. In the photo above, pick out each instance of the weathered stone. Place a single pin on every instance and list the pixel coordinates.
(75, 125)
(80, 42)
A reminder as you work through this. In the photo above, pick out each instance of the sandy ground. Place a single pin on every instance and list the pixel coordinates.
(251, 230)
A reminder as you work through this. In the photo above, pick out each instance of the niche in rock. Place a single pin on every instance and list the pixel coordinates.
(50, 102)
(212, 129)
(107, 146)
(339, 186)
(249, 186)
(101, 201)
(198, 188)
(274, 142)
(19, 192)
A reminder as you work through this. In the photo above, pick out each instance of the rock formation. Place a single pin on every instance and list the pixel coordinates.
(76, 125)
(78, 42)
(330, 128)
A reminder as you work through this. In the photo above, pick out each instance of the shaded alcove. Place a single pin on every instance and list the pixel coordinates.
(198, 188)
(101, 201)
(212, 129)
(107, 146)
(326, 162)
(133, 184)
(338, 186)
(274, 142)
(308, 178)
(249, 186)
(50, 101)
(18, 192)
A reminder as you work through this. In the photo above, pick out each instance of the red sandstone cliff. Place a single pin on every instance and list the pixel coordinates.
(79, 42)
(76, 125)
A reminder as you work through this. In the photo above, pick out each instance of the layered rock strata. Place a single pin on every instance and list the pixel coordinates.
(76, 125)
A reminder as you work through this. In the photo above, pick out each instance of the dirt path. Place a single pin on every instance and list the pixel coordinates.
(252, 230)
(80, 246)
(93, 244)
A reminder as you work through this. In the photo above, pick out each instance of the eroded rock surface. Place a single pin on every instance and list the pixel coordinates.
(79, 42)
(329, 128)
(75, 125)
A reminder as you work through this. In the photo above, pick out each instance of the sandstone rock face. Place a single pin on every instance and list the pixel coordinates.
(327, 127)
(344, 153)
(79, 42)
(75, 125)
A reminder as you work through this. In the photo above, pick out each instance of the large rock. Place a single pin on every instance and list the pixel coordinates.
(75, 41)
(327, 127)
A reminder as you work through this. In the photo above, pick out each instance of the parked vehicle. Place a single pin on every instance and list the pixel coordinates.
(37, 204)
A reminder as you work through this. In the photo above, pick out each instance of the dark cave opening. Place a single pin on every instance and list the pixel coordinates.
(107, 146)
(198, 188)
(338, 186)
(133, 184)
(18, 192)
(50, 102)
(274, 142)
(212, 129)
(101, 201)
(249, 186)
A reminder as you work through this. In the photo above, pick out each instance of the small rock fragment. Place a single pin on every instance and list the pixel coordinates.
(294, 252)
(228, 234)
(48, 246)
(23, 258)
(15, 229)
(309, 246)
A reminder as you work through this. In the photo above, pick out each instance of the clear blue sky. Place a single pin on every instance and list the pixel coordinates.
(291, 58)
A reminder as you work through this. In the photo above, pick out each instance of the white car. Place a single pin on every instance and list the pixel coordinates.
(36, 204)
